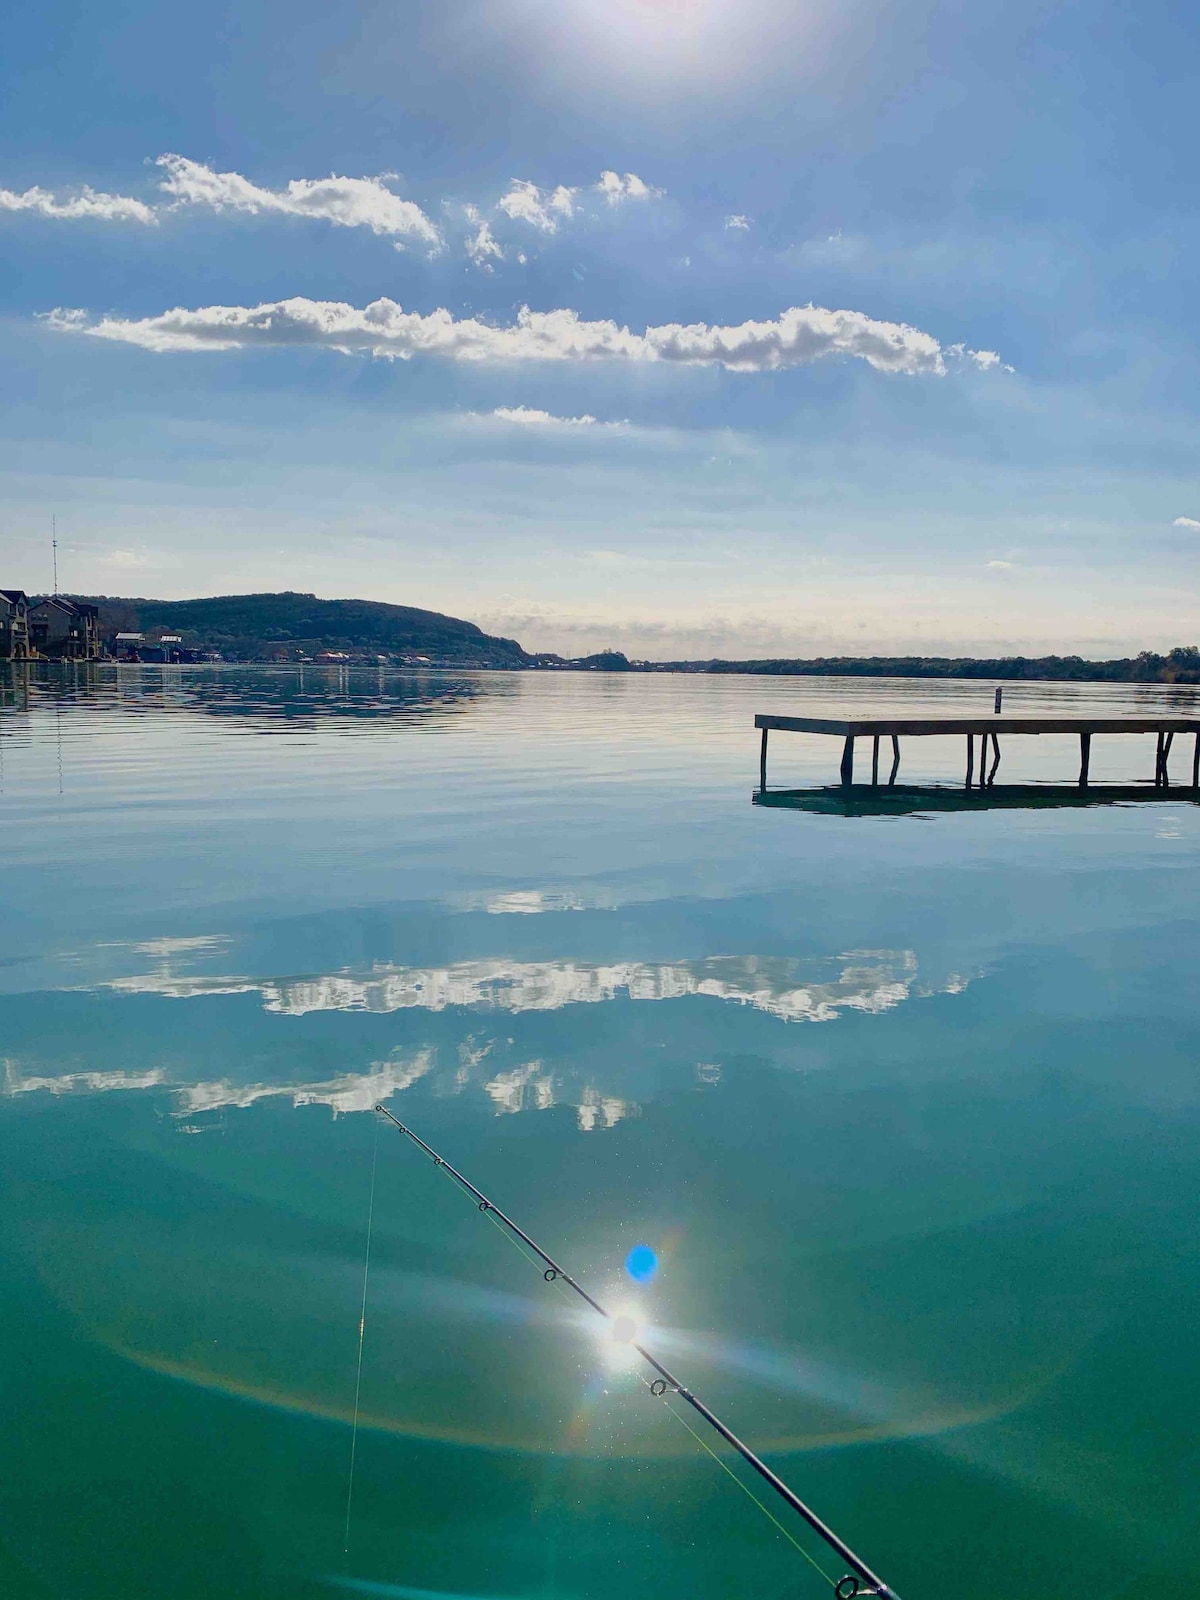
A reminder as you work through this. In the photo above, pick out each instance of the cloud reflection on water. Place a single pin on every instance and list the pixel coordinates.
(794, 990)
(789, 990)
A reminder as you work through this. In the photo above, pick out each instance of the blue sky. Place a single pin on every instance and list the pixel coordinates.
(686, 328)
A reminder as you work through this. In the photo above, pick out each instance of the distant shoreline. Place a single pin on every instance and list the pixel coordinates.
(294, 628)
(1179, 668)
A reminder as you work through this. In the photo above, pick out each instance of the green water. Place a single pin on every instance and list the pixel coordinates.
(907, 1106)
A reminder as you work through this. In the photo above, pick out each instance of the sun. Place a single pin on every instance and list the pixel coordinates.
(620, 1336)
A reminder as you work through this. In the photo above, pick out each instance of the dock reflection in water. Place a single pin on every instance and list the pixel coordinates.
(864, 800)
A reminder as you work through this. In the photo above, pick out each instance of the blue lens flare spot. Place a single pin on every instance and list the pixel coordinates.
(641, 1263)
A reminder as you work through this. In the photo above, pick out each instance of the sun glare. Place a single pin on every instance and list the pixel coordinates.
(661, 35)
(619, 1336)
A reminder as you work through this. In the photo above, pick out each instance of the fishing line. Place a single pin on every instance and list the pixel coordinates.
(362, 1328)
(747, 1490)
(860, 1580)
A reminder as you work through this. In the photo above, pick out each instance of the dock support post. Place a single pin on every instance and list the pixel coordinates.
(896, 758)
(995, 760)
(1162, 778)
(848, 761)
(1085, 756)
(875, 762)
(971, 758)
(1196, 764)
(762, 764)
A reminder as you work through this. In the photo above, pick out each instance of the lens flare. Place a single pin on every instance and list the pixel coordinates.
(641, 1263)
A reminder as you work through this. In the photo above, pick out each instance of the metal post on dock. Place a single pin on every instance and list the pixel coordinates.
(896, 760)
(1085, 756)
(762, 764)
(999, 697)
(848, 761)
(971, 758)
(875, 762)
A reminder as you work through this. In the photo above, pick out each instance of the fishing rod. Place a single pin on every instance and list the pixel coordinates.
(846, 1588)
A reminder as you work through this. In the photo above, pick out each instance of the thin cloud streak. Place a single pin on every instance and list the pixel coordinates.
(797, 337)
(531, 417)
(345, 202)
(87, 203)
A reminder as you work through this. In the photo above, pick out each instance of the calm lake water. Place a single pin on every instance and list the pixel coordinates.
(907, 1107)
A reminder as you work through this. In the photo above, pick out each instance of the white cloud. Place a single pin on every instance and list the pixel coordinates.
(346, 202)
(482, 247)
(737, 222)
(616, 188)
(87, 203)
(541, 208)
(797, 337)
(530, 417)
(985, 360)
(1187, 522)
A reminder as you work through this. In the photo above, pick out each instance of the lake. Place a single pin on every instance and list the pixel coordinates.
(907, 1107)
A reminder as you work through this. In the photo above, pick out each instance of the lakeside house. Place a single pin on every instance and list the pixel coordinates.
(128, 646)
(64, 630)
(14, 625)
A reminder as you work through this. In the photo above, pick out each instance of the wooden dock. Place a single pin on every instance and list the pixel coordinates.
(985, 729)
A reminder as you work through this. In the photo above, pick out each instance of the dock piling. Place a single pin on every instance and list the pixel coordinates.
(762, 763)
(1085, 756)
(1162, 777)
(848, 761)
(896, 759)
(971, 759)
(875, 762)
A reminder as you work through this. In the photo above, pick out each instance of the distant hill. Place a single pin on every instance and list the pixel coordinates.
(270, 627)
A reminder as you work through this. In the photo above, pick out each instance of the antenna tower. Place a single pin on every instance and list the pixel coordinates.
(54, 550)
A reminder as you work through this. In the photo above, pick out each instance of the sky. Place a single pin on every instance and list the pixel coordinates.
(680, 327)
